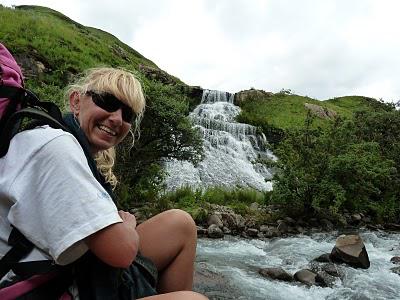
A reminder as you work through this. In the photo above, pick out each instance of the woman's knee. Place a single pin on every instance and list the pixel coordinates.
(188, 295)
(183, 221)
(181, 295)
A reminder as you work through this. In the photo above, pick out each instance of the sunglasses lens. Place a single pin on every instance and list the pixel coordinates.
(127, 114)
(111, 104)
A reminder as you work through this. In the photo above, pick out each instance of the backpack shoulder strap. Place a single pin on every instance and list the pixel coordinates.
(12, 124)
(20, 247)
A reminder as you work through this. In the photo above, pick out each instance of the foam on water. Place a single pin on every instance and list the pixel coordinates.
(239, 260)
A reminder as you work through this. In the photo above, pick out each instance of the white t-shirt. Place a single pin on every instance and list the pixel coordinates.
(49, 193)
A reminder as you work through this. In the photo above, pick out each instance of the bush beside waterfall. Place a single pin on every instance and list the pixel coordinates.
(352, 166)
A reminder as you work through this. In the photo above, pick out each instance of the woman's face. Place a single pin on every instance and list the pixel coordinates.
(102, 129)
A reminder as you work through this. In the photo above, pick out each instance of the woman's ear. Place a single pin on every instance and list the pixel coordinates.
(74, 102)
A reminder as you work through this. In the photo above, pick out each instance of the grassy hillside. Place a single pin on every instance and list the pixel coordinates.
(285, 111)
(62, 47)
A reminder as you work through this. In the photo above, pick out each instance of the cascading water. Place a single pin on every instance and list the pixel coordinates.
(232, 150)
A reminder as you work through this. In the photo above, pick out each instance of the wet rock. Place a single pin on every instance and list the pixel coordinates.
(215, 219)
(228, 220)
(395, 260)
(309, 278)
(226, 230)
(290, 221)
(342, 221)
(201, 230)
(331, 269)
(302, 223)
(396, 270)
(366, 219)
(194, 91)
(264, 228)
(326, 224)
(323, 258)
(324, 279)
(282, 227)
(392, 226)
(350, 249)
(313, 222)
(232, 220)
(300, 229)
(214, 285)
(276, 273)
(252, 232)
(250, 223)
(213, 231)
(272, 232)
(356, 218)
(375, 227)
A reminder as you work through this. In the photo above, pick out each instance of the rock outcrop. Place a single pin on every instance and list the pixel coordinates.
(321, 112)
(243, 96)
(158, 75)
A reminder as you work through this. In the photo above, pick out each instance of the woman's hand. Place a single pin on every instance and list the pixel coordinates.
(128, 218)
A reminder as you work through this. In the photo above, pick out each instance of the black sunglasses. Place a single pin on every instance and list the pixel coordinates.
(110, 103)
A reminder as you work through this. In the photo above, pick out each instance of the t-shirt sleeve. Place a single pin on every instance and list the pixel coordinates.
(59, 201)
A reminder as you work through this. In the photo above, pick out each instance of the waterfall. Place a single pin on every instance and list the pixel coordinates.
(232, 150)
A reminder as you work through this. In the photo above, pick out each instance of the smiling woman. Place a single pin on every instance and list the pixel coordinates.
(70, 215)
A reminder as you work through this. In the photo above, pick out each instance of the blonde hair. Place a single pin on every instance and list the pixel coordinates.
(123, 85)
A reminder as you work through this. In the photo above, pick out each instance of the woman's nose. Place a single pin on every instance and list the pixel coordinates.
(116, 116)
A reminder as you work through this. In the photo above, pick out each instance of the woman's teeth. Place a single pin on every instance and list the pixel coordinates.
(107, 129)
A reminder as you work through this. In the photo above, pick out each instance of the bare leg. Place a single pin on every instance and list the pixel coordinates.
(182, 295)
(169, 240)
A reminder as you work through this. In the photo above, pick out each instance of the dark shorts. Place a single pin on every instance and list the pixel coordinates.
(141, 278)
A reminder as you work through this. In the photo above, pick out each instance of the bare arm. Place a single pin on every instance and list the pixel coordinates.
(117, 244)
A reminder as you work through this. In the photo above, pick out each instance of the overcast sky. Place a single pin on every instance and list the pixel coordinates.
(319, 48)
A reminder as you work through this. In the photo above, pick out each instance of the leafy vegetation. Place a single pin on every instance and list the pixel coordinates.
(352, 165)
(197, 201)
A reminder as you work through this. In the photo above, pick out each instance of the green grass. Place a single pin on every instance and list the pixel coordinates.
(65, 47)
(287, 111)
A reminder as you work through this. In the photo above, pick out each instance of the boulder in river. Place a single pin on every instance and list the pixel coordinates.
(252, 232)
(201, 231)
(350, 249)
(395, 260)
(323, 258)
(276, 273)
(309, 278)
(214, 232)
(396, 270)
(215, 219)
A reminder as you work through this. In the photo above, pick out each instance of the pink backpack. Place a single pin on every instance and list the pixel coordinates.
(11, 76)
(17, 103)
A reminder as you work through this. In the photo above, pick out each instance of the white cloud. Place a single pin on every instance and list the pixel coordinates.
(317, 48)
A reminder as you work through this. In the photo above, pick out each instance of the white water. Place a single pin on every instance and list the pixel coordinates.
(231, 149)
(238, 261)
